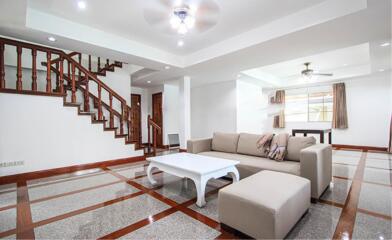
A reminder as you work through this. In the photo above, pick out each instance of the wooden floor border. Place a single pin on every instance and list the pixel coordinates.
(345, 226)
(69, 169)
(24, 219)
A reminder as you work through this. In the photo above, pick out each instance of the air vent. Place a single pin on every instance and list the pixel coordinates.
(11, 164)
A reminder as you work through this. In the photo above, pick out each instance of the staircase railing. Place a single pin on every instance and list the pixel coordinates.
(75, 75)
(156, 129)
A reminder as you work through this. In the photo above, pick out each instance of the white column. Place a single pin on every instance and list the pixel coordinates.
(185, 110)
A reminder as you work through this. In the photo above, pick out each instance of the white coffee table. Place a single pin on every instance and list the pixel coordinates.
(199, 168)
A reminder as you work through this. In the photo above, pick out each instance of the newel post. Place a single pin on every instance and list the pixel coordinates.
(2, 72)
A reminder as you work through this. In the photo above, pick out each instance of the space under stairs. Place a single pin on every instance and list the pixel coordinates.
(74, 77)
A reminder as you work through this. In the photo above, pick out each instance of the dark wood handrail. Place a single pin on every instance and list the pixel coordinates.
(74, 68)
(156, 129)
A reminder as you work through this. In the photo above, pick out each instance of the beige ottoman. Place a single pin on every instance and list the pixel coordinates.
(265, 205)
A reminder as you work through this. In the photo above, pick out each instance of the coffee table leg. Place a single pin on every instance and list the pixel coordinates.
(149, 174)
(234, 175)
(200, 188)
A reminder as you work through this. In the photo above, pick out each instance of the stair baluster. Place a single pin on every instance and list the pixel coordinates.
(57, 78)
(34, 70)
(61, 78)
(111, 122)
(80, 63)
(122, 119)
(19, 69)
(99, 103)
(2, 72)
(89, 62)
(73, 84)
(86, 97)
(48, 73)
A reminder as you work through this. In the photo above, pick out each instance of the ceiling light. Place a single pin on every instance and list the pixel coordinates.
(167, 67)
(148, 81)
(82, 5)
(344, 65)
(381, 70)
(239, 75)
(52, 39)
(385, 44)
(180, 43)
(182, 19)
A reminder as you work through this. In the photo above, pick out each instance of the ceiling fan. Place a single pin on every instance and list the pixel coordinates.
(310, 72)
(180, 16)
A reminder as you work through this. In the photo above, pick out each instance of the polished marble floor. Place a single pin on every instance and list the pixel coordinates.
(119, 202)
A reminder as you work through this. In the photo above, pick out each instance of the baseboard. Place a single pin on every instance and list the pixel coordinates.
(363, 148)
(183, 150)
(69, 169)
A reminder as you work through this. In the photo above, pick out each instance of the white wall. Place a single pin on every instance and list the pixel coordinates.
(171, 114)
(185, 111)
(251, 105)
(232, 107)
(368, 111)
(213, 108)
(41, 132)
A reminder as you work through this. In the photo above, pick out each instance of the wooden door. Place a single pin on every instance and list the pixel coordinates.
(157, 115)
(136, 113)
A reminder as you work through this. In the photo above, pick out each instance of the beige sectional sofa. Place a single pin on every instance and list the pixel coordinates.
(304, 157)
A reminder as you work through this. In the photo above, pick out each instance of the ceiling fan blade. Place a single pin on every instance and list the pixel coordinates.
(204, 25)
(323, 74)
(207, 6)
(154, 16)
(166, 3)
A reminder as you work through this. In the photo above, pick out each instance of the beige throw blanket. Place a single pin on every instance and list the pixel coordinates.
(264, 143)
(279, 147)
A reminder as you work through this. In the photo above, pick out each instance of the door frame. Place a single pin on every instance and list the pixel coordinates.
(140, 115)
(152, 106)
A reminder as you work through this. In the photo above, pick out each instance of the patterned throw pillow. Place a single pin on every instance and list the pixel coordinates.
(278, 148)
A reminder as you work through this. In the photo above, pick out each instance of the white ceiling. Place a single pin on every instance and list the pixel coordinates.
(125, 18)
(250, 34)
(343, 63)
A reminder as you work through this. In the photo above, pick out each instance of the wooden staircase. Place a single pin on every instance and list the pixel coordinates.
(79, 86)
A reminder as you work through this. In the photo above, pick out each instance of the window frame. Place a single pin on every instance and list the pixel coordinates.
(308, 112)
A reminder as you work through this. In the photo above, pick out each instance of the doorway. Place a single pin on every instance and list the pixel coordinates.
(136, 123)
(157, 115)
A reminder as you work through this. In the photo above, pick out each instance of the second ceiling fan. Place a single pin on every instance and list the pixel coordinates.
(310, 72)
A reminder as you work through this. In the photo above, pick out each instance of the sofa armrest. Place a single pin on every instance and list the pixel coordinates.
(316, 165)
(199, 145)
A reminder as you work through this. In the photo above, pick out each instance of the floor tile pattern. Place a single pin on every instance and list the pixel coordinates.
(105, 201)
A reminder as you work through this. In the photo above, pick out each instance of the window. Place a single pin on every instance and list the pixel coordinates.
(314, 106)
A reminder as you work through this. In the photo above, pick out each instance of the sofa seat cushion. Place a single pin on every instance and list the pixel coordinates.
(296, 144)
(250, 164)
(247, 144)
(225, 142)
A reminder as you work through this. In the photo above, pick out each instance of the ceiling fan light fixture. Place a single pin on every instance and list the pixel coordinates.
(175, 22)
(182, 20)
(189, 22)
(182, 29)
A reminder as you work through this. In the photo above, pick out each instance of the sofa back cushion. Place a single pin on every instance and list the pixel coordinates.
(296, 144)
(247, 144)
(225, 142)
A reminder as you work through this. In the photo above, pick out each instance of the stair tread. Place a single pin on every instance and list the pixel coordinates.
(109, 129)
(72, 104)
